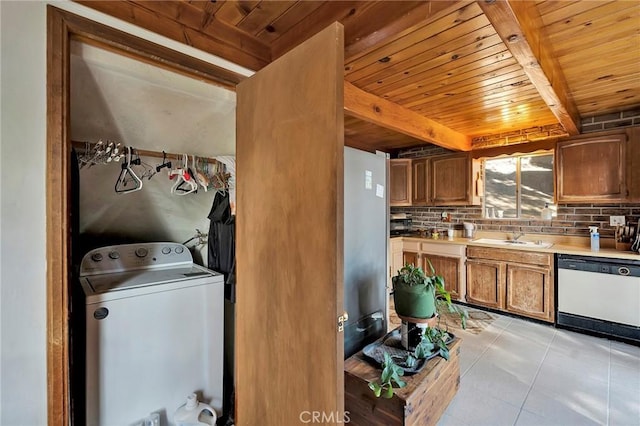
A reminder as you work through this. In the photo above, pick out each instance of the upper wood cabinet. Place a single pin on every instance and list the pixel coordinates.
(450, 179)
(591, 170)
(400, 182)
(420, 181)
(633, 163)
(444, 180)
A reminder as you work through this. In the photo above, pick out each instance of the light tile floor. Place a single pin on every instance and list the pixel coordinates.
(517, 372)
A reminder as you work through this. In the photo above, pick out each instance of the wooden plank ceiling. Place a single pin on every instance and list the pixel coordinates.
(442, 72)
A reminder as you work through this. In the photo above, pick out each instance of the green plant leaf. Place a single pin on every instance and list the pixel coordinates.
(411, 361)
(375, 387)
(388, 392)
(444, 353)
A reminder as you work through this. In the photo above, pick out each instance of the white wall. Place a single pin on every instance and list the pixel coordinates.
(22, 266)
(22, 203)
(115, 97)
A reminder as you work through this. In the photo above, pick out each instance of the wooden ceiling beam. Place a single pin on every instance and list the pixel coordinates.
(520, 27)
(389, 115)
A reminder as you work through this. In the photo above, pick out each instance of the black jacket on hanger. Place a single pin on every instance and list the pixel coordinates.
(222, 243)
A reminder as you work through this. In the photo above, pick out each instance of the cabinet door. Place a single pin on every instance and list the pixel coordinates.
(400, 182)
(530, 291)
(410, 258)
(420, 192)
(274, 374)
(449, 268)
(485, 283)
(591, 170)
(451, 180)
(396, 256)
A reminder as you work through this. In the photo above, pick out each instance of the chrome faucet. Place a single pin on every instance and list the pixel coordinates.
(516, 235)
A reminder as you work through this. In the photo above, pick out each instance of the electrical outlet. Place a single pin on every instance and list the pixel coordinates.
(617, 220)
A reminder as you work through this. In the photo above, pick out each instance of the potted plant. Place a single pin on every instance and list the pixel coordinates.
(420, 296)
(414, 293)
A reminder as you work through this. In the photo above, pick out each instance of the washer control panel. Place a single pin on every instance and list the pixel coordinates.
(129, 257)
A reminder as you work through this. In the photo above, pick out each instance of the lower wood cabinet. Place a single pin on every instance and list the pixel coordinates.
(529, 291)
(486, 283)
(447, 260)
(410, 258)
(515, 281)
(450, 269)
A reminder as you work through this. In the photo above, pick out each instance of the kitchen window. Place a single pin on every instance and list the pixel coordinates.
(518, 186)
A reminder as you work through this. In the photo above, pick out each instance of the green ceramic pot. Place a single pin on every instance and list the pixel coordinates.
(417, 301)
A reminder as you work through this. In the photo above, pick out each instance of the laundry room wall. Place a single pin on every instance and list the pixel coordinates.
(23, 120)
(117, 98)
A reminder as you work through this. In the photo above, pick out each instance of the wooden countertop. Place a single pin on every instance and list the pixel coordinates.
(561, 244)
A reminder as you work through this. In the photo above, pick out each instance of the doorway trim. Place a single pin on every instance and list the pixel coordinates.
(62, 27)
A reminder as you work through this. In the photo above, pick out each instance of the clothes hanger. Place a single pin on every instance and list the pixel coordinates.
(128, 175)
(164, 164)
(183, 177)
(200, 176)
(147, 171)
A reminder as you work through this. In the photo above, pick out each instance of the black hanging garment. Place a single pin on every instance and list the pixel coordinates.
(221, 258)
(222, 243)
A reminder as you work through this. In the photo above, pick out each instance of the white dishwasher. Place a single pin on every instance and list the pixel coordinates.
(600, 295)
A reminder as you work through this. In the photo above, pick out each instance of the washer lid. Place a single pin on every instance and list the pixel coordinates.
(106, 283)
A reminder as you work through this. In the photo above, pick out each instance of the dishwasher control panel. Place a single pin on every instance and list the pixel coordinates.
(599, 265)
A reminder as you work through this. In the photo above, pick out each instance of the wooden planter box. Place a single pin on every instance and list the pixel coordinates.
(421, 402)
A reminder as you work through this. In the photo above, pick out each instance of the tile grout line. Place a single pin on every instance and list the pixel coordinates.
(524, 401)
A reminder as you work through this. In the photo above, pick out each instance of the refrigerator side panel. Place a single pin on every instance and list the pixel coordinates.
(365, 247)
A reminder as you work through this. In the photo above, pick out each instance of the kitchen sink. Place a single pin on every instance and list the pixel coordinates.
(513, 243)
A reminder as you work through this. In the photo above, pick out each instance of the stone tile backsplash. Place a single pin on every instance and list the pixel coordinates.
(571, 219)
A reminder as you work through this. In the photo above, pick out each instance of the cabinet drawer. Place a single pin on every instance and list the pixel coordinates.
(510, 255)
(457, 250)
(411, 246)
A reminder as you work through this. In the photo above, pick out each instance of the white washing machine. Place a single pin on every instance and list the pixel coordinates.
(154, 332)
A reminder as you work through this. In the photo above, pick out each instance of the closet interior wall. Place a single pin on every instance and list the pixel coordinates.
(116, 98)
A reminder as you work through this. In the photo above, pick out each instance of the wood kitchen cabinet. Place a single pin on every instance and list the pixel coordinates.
(449, 268)
(450, 179)
(591, 169)
(528, 291)
(447, 260)
(486, 283)
(444, 180)
(420, 181)
(410, 258)
(396, 257)
(516, 281)
(400, 182)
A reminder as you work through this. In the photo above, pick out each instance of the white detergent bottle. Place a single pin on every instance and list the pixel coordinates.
(595, 238)
(194, 413)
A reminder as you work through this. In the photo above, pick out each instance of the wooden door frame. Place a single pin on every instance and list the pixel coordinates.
(62, 26)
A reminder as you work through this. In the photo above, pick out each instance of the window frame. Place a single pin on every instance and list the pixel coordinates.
(518, 191)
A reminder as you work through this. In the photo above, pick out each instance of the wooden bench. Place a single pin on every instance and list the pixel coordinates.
(421, 402)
